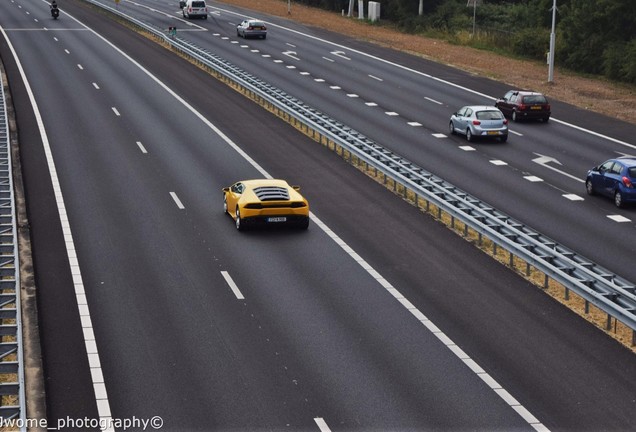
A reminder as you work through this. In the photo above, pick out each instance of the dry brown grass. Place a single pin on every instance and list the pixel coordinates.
(602, 96)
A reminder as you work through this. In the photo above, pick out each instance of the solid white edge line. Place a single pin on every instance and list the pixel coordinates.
(427, 323)
(235, 289)
(99, 389)
(452, 347)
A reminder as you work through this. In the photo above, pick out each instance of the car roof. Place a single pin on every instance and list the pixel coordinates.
(482, 107)
(527, 92)
(627, 160)
(264, 182)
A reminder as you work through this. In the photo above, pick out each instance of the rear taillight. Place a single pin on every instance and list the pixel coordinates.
(250, 28)
(628, 183)
(476, 122)
(505, 121)
(522, 107)
(547, 107)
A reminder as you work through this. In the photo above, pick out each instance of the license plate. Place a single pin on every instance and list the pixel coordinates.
(277, 219)
(493, 133)
(535, 107)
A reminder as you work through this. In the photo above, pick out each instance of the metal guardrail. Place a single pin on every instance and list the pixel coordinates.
(12, 399)
(606, 290)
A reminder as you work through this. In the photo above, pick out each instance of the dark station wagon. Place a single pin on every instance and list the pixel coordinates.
(522, 105)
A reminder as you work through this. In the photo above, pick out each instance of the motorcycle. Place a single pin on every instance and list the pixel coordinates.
(55, 12)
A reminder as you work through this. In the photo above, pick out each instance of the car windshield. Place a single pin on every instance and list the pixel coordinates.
(489, 115)
(198, 4)
(535, 99)
(256, 24)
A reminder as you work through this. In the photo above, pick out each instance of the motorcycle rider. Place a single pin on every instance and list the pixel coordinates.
(54, 9)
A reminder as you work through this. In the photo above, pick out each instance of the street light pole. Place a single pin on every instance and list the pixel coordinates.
(552, 44)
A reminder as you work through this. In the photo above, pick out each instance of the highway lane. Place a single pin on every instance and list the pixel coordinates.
(404, 102)
(349, 343)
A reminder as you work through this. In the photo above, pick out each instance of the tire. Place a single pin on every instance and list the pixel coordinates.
(589, 187)
(304, 224)
(225, 204)
(238, 222)
(503, 138)
(514, 116)
(238, 34)
(546, 119)
(469, 136)
(264, 36)
(451, 128)
(618, 199)
(205, 17)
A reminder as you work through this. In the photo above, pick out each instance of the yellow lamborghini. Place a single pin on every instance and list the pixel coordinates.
(265, 202)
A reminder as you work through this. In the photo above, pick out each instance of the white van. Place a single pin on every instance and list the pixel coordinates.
(195, 9)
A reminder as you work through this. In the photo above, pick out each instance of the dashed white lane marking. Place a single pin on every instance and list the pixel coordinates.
(115, 111)
(415, 124)
(574, 197)
(278, 61)
(439, 135)
(468, 148)
(376, 78)
(433, 100)
(533, 179)
(322, 425)
(290, 67)
(320, 80)
(67, 51)
(80, 67)
(391, 113)
(177, 201)
(619, 218)
(96, 86)
(232, 284)
(371, 104)
(352, 95)
(498, 162)
(335, 87)
(265, 55)
(141, 147)
(305, 73)
(329, 60)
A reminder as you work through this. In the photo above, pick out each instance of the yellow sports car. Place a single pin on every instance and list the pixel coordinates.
(265, 202)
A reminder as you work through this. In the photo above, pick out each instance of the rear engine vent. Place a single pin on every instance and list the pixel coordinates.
(272, 193)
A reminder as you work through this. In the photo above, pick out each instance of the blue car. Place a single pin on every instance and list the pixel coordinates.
(615, 178)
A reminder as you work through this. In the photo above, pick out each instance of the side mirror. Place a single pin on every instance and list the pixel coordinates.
(296, 188)
(226, 189)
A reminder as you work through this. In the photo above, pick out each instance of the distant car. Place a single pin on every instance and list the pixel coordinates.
(479, 122)
(251, 28)
(615, 178)
(182, 4)
(265, 202)
(195, 9)
(522, 105)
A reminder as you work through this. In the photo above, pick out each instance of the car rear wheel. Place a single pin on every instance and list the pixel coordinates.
(451, 128)
(589, 187)
(238, 221)
(618, 199)
(469, 135)
(304, 224)
(503, 138)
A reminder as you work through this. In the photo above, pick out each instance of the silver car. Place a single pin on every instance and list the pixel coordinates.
(479, 121)
(251, 28)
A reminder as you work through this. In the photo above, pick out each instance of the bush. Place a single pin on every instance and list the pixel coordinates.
(533, 43)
